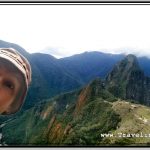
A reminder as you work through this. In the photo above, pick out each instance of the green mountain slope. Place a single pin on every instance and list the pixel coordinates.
(69, 119)
(81, 118)
(84, 116)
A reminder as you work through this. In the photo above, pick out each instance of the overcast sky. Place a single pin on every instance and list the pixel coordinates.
(64, 30)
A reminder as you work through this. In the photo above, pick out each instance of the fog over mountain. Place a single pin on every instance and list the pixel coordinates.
(60, 52)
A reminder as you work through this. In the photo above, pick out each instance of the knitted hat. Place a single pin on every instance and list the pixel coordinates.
(23, 66)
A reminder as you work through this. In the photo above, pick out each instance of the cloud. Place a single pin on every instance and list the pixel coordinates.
(66, 30)
(56, 52)
(135, 51)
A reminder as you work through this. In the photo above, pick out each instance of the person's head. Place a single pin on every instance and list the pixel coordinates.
(15, 77)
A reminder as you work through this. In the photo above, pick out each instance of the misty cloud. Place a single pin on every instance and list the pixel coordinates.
(113, 29)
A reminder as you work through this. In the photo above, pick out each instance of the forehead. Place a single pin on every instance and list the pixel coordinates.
(8, 68)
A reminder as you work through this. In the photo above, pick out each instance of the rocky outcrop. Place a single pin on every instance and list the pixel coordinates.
(127, 81)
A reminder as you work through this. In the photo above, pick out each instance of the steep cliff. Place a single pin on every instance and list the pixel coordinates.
(127, 81)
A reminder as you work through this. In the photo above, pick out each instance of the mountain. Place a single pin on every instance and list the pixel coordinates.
(144, 63)
(51, 76)
(48, 77)
(68, 119)
(81, 118)
(127, 81)
(90, 65)
(66, 107)
(88, 115)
